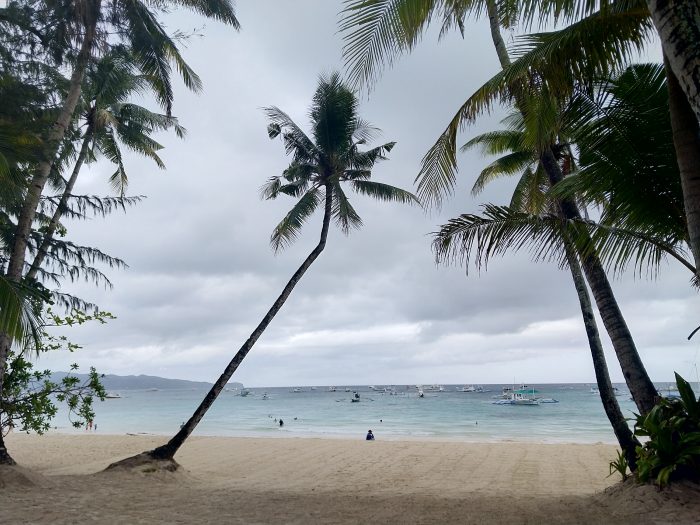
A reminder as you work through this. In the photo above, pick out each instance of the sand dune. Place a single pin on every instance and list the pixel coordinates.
(252, 480)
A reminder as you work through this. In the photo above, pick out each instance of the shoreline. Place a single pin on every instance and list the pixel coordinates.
(314, 480)
(341, 437)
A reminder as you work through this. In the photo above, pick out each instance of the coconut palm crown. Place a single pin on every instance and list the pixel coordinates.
(320, 164)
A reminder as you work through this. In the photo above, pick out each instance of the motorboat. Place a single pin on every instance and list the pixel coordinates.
(297, 390)
(113, 395)
(355, 397)
(517, 399)
(421, 393)
(347, 389)
(244, 392)
(331, 389)
(616, 391)
(467, 388)
(265, 397)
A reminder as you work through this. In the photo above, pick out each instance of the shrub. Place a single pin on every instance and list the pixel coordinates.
(672, 427)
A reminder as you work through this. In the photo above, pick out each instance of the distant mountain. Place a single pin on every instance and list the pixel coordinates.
(143, 382)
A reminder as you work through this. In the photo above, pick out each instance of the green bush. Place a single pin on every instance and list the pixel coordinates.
(672, 427)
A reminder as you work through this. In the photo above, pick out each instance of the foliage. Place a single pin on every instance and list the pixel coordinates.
(673, 431)
(322, 162)
(31, 396)
(620, 465)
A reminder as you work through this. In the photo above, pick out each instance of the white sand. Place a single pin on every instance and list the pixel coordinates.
(256, 480)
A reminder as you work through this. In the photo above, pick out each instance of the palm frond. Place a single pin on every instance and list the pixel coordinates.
(504, 166)
(295, 140)
(18, 315)
(377, 32)
(343, 212)
(530, 194)
(110, 148)
(286, 232)
(496, 142)
(384, 192)
(619, 249)
(591, 48)
(365, 160)
(477, 239)
(221, 10)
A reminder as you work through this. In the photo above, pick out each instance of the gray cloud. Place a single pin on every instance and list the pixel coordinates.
(374, 308)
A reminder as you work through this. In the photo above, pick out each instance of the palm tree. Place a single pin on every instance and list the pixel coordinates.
(108, 120)
(505, 228)
(678, 25)
(382, 29)
(81, 28)
(320, 165)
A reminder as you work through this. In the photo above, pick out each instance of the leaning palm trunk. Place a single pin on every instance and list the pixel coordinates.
(43, 249)
(678, 25)
(641, 387)
(167, 452)
(31, 201)
(625, 438)
(686, 140)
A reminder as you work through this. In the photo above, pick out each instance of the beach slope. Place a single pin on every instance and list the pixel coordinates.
(263, 480)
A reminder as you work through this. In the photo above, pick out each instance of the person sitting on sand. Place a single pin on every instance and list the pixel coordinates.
(370, 436)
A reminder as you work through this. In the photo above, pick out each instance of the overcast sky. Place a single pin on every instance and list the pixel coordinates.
(374, 308)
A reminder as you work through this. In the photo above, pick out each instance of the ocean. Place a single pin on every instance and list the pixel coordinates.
(398, 413)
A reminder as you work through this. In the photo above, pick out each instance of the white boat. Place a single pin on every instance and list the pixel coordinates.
(113, 395)
(244, 392)
(670, 392)
(420, 393)
(517, 399)
(331, 389)
(616, 391)
(347, 389)
(264, 397)
(297, 390)
(355, 397)
(468, 388)
(372, 387)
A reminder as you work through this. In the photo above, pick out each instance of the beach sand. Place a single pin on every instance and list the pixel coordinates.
(265, 480)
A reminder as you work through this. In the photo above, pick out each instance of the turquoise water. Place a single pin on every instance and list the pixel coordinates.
(450, 415)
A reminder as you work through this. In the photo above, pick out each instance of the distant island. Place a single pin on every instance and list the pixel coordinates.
(142, 382)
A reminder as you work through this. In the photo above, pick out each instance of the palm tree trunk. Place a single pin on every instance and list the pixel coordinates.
(628, 443)
(167, 451)
(678, 25)
(60, 208)
(55, 136)
(686, 140)
(495, 26)
(31, 201)
(642, 389)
